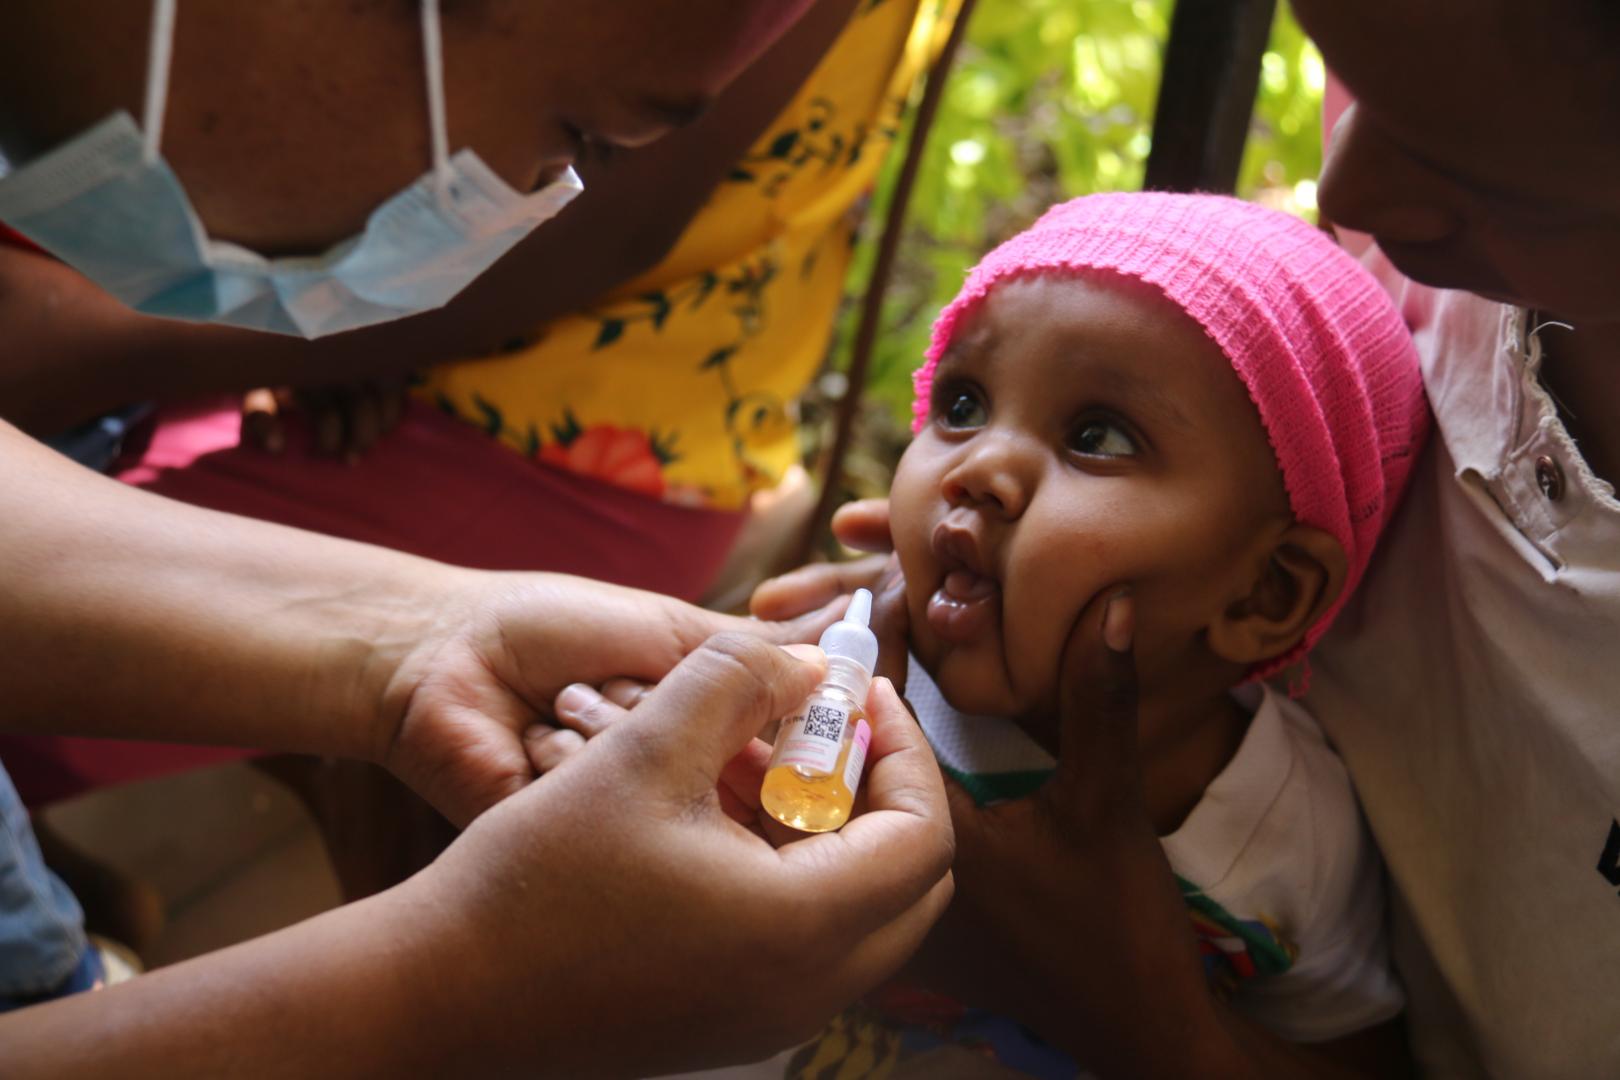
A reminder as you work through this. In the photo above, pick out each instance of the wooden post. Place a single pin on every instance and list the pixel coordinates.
(1206, 94)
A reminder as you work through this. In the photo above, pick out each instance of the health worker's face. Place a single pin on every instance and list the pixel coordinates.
(1080, 436)
(1484, 146)
(289, 122)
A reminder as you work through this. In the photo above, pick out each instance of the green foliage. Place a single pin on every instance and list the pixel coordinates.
(1050, 99)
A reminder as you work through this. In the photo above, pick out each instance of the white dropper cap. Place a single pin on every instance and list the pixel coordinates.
(851, 639)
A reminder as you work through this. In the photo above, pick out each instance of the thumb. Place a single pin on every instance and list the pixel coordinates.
(863, 525)
(1098, 767)
(713, 703)
(883, 859)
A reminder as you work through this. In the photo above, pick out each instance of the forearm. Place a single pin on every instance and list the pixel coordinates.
(124, 614)
(360, 991)
(72, 351)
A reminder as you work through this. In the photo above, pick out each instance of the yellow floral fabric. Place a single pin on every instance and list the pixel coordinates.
(681, 384)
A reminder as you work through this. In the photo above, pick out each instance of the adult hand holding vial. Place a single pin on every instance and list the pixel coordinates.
(821, 748)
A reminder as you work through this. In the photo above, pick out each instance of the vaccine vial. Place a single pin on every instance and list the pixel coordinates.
(820, 748)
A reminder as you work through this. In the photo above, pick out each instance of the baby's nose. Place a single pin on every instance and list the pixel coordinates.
(995, 475)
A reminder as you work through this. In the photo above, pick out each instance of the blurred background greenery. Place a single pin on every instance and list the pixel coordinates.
(1048, 99)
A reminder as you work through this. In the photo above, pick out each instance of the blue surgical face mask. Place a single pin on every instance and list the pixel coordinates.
(108, 205)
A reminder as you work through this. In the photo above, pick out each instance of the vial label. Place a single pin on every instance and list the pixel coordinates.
(857, 756)
(812, 741)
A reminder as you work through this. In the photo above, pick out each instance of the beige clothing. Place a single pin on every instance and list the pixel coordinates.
(1473, 688)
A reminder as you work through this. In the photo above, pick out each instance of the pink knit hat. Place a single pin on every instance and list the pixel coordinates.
(1319, 344)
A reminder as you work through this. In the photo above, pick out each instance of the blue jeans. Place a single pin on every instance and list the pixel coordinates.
(42, 942)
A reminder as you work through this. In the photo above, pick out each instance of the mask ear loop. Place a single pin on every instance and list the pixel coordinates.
(160, 51)
(433, 55)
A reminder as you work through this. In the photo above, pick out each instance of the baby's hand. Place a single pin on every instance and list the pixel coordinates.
(581, 711)
(344, 421)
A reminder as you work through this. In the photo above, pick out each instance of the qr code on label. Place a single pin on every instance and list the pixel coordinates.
(824, 722)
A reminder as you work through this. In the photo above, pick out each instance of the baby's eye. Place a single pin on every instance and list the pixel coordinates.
(1101, 438)
(961, 410)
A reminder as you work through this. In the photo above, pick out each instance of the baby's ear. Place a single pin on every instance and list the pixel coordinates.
(1303, 576)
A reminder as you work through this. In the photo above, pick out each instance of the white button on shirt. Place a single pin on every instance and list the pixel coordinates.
(1472, 687)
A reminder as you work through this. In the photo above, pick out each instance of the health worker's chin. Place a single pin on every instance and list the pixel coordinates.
(1448, 266)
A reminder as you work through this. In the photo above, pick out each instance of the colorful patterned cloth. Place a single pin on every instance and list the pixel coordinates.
(681, 385)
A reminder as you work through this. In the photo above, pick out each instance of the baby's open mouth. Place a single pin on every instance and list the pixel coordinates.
(964, 606)
(968, 601)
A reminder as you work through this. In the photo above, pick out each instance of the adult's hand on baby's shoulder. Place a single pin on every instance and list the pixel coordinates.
(495, 654)
(545, 899)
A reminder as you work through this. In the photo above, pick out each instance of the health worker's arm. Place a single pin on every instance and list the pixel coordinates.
(125, 614)
(608, 920)
(72, 352)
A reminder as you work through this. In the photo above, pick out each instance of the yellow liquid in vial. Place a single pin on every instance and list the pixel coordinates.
(811, 803)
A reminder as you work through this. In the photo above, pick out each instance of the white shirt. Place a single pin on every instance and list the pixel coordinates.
(1472, 686)
(1276, 834)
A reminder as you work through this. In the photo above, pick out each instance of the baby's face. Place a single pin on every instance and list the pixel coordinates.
(1081, 436)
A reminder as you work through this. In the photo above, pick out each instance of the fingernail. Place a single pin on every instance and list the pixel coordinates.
(575, 698)
(809, 654)
(1118, 622)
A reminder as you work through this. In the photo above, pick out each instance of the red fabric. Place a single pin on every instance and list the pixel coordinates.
(438, 487)
(47, 768)
(435, 487)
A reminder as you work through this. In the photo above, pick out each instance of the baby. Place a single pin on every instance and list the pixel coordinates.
(1208, 404)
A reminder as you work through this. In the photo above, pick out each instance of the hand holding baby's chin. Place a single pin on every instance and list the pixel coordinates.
(1080, 851)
